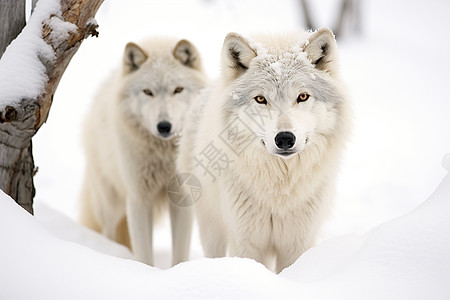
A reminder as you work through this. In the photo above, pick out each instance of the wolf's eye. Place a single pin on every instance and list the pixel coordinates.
(148, 92)
(178, 90)
(302, 97)
(260, 99)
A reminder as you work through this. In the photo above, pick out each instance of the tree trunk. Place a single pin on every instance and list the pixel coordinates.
(12, 21)
(307, 15)
(350, 15)
(33, 5)
(20, 122)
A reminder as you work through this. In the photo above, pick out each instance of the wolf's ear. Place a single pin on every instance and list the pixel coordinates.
(187, 54)
(236, 55)
(133, 57)
(322, 50)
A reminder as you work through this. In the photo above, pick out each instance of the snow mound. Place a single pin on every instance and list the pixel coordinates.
(405, 258)
(66, 229)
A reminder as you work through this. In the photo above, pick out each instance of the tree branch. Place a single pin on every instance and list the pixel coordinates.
(20, 121)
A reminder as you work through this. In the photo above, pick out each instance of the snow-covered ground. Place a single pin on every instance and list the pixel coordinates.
(405, 258)
(396, 72)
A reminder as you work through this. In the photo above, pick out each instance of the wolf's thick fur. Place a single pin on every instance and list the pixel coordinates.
(264, 196)
(129, 154)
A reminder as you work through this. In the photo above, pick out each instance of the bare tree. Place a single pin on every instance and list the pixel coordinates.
(20, 122)
(348, 17)
(307, 15)
(350, 14)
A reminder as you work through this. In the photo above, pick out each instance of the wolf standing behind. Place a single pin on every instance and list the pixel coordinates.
(267, 139)
(130, 139)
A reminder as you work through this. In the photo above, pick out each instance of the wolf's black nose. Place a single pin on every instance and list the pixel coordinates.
(285, 140)
(164, 128)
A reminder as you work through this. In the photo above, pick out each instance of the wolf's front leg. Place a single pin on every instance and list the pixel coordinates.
(212, 233)
(289, 251)
(181, 220)
(286, 259)
(243, 248)
(140, 226)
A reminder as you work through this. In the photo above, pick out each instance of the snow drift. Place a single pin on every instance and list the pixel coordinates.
(405, 258)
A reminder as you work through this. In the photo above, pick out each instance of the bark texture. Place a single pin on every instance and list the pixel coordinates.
(19, 123)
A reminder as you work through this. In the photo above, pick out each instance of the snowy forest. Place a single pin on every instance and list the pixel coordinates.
(388, 236)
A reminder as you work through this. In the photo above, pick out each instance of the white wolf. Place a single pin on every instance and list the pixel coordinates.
(130, 139)
(266, 141)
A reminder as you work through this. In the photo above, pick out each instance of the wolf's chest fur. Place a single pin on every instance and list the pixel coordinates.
(275, 180)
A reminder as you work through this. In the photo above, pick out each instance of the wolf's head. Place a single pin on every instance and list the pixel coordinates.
(284, 89)
(160, 81)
